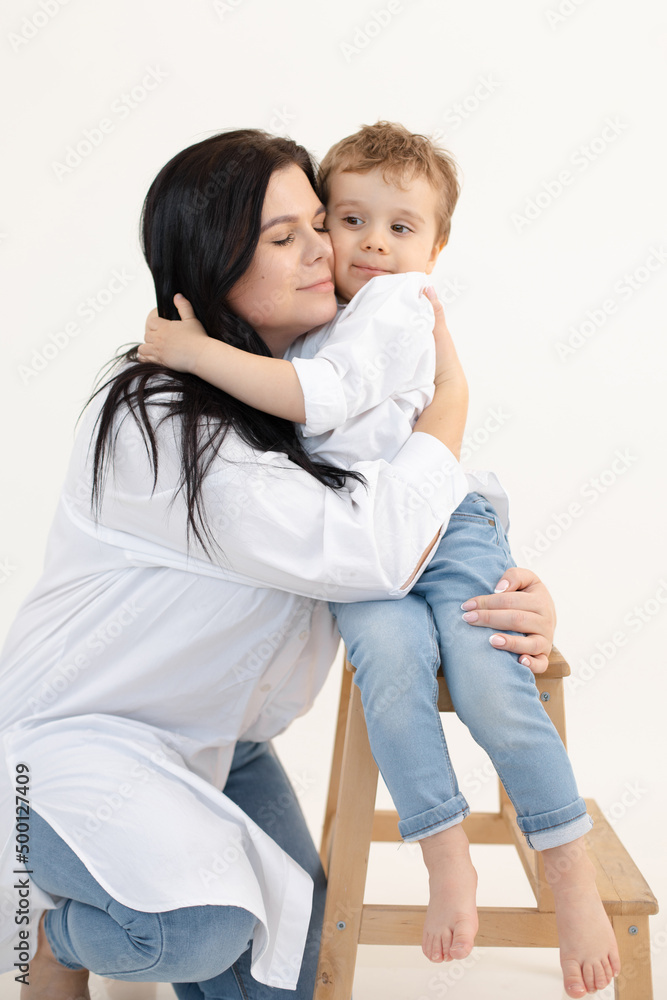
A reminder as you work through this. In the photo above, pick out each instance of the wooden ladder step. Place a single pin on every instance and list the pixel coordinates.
(623, 888)
(499, 926)
(480, 827)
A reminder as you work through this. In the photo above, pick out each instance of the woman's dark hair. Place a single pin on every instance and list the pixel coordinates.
(200, 226)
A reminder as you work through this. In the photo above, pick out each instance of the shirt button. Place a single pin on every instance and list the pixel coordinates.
(303, 635)
(265, 687)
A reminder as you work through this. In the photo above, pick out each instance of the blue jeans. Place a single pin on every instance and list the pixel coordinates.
(204, 951)
(397, 647)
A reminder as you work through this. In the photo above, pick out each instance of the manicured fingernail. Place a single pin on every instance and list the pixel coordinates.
(469, 605)
(503, 585)
(525, 661)
(498, 640)
(470, 616)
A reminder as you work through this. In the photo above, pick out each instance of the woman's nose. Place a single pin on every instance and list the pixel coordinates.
(321, 246)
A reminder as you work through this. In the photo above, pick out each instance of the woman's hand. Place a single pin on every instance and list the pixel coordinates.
(445, 416)
(176, 344)
(525, 605)
(447, 365)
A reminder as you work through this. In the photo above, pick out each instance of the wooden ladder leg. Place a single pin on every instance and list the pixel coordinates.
(552, 696)
(350, 847)
(634, 946)
(336, 762)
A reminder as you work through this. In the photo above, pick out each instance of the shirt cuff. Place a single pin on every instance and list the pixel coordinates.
(323, 395)
(434, 473)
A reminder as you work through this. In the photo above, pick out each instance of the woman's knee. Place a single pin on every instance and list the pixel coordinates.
(192, 943)
(204, 941)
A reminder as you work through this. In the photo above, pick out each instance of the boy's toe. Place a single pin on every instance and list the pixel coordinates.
(572, 979)
(432, 948)
(588, 970)
(608, 971)
(601, 975)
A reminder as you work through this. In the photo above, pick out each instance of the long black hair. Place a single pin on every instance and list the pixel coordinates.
(200, 226)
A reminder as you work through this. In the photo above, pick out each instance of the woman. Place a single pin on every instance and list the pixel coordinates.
(181, 620)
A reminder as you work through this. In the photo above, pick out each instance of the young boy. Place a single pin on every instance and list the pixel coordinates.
(355, 387)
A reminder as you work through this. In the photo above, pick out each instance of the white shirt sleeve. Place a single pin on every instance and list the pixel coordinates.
(276, 525)
(381, 346)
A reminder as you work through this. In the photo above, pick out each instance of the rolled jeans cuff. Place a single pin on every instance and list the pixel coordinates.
(555, 828)
(434, 820)
(54, 929)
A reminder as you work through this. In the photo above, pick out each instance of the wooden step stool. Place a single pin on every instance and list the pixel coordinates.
(352, 823)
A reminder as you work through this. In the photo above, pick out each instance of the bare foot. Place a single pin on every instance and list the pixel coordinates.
(451, 917)
(588, 950)
(49, 980)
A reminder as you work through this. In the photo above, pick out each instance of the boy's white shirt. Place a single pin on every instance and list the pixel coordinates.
(368, 373)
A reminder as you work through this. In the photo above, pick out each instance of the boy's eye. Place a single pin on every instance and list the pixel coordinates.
(286, 241)
(399, 225)
(352, 220)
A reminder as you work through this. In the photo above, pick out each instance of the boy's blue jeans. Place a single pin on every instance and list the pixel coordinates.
(204, 951)
(396, 648)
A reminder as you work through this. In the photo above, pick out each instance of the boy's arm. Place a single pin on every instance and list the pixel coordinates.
(268, 384)
(381, 346)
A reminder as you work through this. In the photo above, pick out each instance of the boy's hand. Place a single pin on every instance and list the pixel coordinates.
(447, 365)
(176, 344)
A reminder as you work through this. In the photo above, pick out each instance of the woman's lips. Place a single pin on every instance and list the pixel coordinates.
(326, 285)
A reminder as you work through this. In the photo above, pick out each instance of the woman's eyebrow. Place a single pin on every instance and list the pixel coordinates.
(289, 218)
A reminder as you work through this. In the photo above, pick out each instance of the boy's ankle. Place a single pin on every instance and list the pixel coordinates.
(453, 840)
(568, 868)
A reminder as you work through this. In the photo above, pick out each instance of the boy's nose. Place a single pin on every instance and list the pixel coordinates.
(374, 239)
(374, 244)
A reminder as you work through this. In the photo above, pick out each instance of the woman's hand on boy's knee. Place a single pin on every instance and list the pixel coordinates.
(524, 605)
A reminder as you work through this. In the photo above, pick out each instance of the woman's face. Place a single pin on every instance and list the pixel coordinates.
(287, 290)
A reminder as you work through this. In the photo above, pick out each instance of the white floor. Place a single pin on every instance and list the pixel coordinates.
(404, 973)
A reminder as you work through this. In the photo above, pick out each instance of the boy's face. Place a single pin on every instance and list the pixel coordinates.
(377, 227)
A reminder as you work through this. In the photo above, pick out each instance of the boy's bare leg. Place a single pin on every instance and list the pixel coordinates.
(451, 918)
(588, 950)
(49, 980)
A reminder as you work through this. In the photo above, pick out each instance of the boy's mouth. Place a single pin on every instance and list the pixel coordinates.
(367, 269)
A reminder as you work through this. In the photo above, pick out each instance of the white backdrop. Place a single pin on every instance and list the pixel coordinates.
(553, 280)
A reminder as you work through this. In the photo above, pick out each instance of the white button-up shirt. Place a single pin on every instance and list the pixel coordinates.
(368, 373)
(134, 666)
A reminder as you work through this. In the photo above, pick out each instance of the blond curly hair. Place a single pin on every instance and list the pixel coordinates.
(402, 155)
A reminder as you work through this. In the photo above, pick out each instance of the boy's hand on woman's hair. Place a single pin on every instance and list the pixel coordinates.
(176, 344)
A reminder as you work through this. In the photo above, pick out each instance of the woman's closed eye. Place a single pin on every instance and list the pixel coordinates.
(290, 239)
(283, 243)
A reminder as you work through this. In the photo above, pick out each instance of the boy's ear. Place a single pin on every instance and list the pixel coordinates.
(435, 253)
